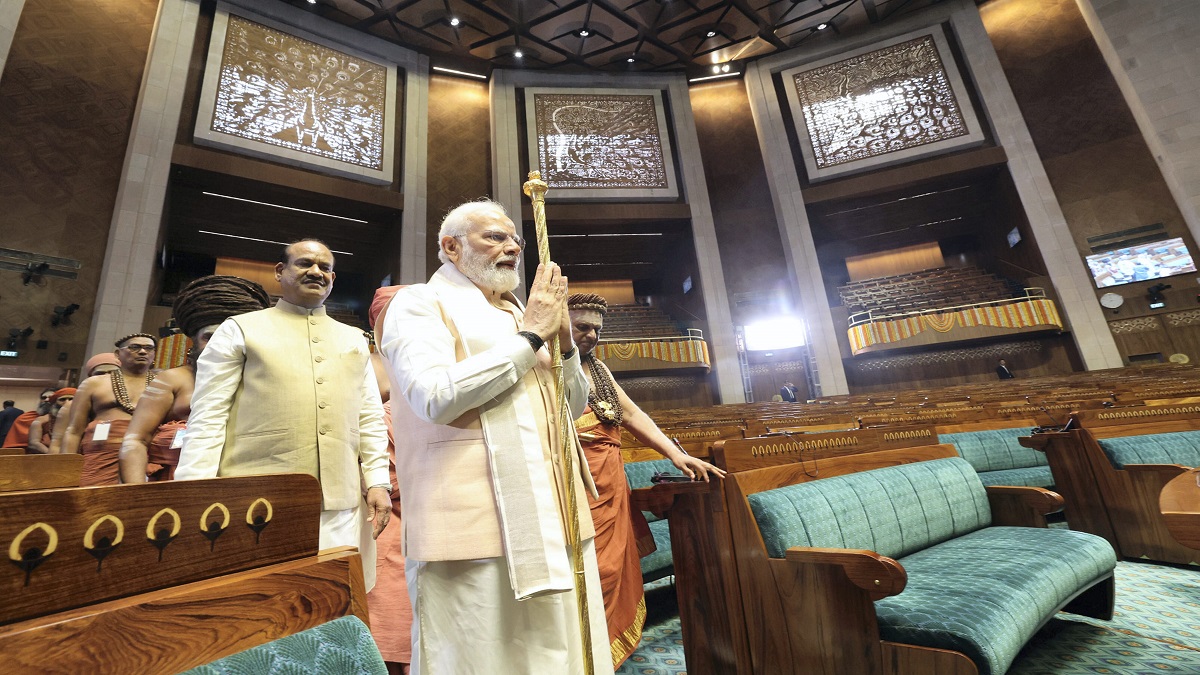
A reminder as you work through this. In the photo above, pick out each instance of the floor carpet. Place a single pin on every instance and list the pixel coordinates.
(1156, 629)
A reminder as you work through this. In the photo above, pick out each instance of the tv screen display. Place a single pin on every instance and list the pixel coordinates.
(1014, 237)
(1140, 263)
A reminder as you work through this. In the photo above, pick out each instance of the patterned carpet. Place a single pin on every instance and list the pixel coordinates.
(1156, 629)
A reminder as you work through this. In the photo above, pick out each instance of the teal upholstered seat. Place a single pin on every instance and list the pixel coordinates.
(1181, 447)
(658, 564)
(341, 646)
(986, 593)
(1000, 459)
(973, 588)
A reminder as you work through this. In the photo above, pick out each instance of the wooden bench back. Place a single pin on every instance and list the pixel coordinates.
(39, 472)
(73, 547)
(755, 453)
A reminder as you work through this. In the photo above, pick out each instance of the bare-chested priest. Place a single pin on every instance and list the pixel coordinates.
(103, 406)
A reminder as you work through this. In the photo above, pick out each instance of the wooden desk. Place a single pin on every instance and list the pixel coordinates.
(1180, 504)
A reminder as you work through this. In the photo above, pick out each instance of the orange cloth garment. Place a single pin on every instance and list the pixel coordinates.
(388, 603)
(618, 530)
(18, 434)
(100, 457)
(161, 458)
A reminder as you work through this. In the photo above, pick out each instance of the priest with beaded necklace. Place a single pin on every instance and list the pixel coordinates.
(622, 535)
(103, 406)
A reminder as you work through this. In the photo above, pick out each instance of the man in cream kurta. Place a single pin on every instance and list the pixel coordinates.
(477, 459)
(289, 390)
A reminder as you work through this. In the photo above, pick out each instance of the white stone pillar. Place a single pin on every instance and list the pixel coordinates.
(133, 236)
(10, 15)
(414, 177)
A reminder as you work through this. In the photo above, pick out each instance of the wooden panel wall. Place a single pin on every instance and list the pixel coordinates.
(1102, 172)
(913, 258)
(1160, 334)
(1053, 355)
(619, 292)
(252, 270)
(460, 147)
(662, 392)
(67, 97)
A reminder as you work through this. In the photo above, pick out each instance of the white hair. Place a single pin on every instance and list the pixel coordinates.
(461, 218)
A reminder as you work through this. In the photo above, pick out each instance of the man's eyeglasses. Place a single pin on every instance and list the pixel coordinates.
(498, 238)
(139, 348)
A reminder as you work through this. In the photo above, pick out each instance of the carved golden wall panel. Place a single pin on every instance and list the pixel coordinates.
(601, 143)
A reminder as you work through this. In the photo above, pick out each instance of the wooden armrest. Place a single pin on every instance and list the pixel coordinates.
(658, 499)
(1022, 506)
(1168, 471)
(878, 575)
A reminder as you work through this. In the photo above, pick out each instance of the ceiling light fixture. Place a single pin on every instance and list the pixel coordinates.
(711, 33)
(265, 241)
(312, 2)
(460, 72)
(518, 54)
(822, 26)
(725, 68)
(716, 68)
(583, 32)
(630, 60)
(454, 21)
(715, 77)
(281, 206)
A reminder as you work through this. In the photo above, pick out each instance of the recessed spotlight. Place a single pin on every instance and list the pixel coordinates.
(716, 69)
(518, 54)
(583, 32)
(312, 2)
(711, 33)
(822, 26)
(454, 21)
(630, 60)
(725, 68)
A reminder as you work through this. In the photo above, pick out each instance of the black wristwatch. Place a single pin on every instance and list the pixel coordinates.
(570, 353)
(534, 339)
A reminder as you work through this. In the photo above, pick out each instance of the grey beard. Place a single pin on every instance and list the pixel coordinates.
(485, 273)
(44, 408)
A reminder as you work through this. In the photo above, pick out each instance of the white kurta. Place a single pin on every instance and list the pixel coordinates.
(466, 615)
(216, 384)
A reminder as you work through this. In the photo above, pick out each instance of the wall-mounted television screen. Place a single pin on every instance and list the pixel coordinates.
(1140, 263)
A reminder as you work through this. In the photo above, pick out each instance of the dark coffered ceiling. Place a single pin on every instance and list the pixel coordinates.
(605, 35)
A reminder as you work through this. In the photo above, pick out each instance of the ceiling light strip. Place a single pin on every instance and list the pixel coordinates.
(714, 77)
(264, 241)
(460, 72)
(281, 206)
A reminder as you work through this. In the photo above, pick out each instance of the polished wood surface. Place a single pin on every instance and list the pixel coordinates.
(39, 472)
(1022, 506)
(8, 452)
(80, 546)
(181, 627)
(902, 260)
(1121, 505)
(1180, 505)
(786, 447)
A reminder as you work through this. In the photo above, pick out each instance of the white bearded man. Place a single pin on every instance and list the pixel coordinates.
(477, 458)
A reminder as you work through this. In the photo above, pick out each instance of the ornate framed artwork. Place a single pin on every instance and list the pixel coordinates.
(601, 143)
(277, 92)
(890, 102)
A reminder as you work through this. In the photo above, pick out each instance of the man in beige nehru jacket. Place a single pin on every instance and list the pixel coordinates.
(477, 459)
(289, 390)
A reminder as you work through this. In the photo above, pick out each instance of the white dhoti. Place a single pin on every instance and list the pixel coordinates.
(467, 622)
(350, 528)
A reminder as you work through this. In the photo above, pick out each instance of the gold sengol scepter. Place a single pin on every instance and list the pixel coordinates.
(535, 188)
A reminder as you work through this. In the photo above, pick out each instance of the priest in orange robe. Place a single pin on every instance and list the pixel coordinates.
(622, 535)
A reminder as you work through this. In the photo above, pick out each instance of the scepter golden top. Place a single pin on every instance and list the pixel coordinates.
(535, 188)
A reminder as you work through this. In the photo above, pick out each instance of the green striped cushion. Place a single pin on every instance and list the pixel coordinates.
(893, 511)
(995, 449)
(1180, 447)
